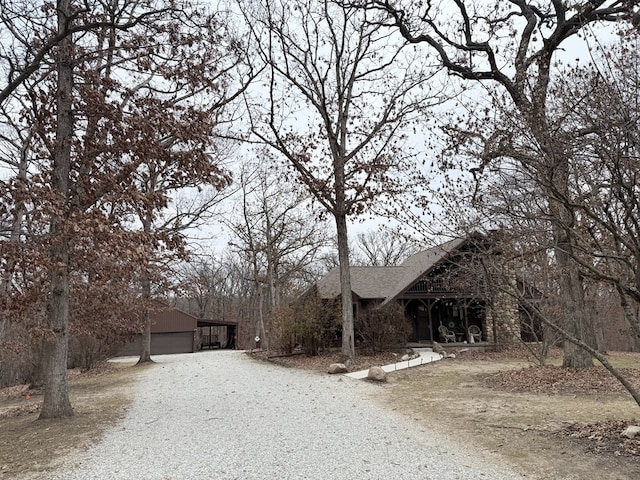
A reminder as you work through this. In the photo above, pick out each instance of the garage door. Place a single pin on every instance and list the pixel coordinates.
(161, 343)
(180, 342)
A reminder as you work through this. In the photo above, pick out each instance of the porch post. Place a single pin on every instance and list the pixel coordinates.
(466, 320)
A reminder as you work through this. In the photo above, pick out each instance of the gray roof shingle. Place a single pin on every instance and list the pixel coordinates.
(366, 282)
(387, 282)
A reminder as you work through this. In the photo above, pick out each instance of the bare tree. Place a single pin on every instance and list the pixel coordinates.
(382, 248)
(342, 93)
(606, 147)
(280, 234)
(469, 39)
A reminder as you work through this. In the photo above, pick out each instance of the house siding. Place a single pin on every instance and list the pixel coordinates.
(172, 331)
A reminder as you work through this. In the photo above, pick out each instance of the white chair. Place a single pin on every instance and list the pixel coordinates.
(475, 334)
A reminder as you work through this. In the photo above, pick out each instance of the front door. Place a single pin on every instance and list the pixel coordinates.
(423, 330)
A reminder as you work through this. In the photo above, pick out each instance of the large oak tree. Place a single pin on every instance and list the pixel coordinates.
(515, 45)
(114, 89)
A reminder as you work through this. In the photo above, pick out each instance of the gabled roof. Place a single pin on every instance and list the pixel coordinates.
(387, 283)
(366, 282)
(420, 263)
(168, 319)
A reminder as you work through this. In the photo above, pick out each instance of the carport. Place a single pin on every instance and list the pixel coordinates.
(217, 333)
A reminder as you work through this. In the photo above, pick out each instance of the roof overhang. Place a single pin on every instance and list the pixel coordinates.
(216, 323)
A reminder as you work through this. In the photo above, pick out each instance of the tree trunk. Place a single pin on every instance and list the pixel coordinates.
(145, 344)
(555, 178)
(56, 402)
(348, 343)
(598, 355)
(261, 331)
(14, 240)
(574, 318)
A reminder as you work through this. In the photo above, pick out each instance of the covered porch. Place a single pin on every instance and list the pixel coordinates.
(428, 318)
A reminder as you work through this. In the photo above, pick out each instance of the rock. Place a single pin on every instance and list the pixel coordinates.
(377, 374)
(437, 348)
(337, 368)
(631, 431)
(451, 355)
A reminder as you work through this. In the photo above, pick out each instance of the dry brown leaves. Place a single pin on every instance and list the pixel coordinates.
(14, 392)
(20, 411)
(554, 380)
(604, 437)
(320, 363)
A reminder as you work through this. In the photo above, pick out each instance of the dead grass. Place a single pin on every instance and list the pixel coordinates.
(30, 447)
(321, 363)
(547, 422)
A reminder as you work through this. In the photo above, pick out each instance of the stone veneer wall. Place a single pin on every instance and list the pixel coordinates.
(502, 311)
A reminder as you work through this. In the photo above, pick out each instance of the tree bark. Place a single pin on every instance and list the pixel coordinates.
(14, 240)
(56, 402)
(145, 344)
(574, 320)
(348, 343)
(555, 177)
(261, 331)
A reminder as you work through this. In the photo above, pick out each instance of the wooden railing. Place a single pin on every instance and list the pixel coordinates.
(447, 286)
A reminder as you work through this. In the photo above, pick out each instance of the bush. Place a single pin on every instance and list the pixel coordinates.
(380, 329)
(87, 352)
(19, 357)
(283, 329)
(310, 323)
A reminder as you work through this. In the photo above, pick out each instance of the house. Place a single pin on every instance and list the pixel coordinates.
(176, 331)
(444, 286)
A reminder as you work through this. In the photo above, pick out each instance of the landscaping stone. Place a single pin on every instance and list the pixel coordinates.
(377, 374)
(337, 368)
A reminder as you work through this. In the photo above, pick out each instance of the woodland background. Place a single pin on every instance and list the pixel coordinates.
(133, 132)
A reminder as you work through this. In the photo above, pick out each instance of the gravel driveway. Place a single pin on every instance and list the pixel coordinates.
(220, 415)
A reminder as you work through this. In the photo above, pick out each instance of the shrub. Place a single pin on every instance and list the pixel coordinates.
(19, 356)
(310, 323)
(382, 328)
(87, 352)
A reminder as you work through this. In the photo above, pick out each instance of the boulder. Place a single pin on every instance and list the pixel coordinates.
(377, 374)
(406, 357)
(631, 431)
(410, 355)
(437, 348)
(337, 368)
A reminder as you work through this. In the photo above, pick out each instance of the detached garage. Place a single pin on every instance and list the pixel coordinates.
(172, 331)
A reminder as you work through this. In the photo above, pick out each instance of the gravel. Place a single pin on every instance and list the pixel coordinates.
(220, 415)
